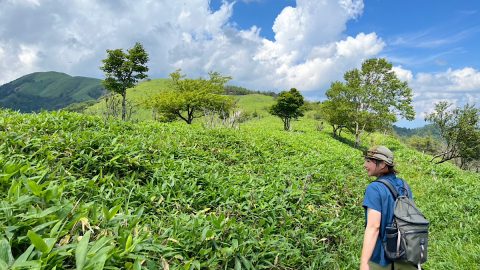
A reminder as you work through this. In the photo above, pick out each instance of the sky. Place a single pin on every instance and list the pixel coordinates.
(269, 45)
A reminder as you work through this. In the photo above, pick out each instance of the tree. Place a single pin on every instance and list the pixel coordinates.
(190, 98)
(289, 105)
(426, 144)
(460, 129)
(123, 70)
(336, 111)
(370, 99)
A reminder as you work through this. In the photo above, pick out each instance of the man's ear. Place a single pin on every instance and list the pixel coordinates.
(383, 164)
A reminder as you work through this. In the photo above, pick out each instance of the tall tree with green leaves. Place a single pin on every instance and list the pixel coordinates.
(190, 98)
(289, 106)
(460, 129)
(371, 98)
(338, 110)
(124, 70)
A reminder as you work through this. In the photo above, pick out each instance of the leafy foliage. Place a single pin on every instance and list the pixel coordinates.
(337, 111)
(427, 144)
(240, 91)
(425, 131)
(139, 96)
(460, 128)
(189, 98)
(124, 70)
(142, 94)
(369, 100)
(48, 91)
(78, 192)
(80, 106)
(289, 106)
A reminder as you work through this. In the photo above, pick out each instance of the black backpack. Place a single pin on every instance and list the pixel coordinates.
(407, 235)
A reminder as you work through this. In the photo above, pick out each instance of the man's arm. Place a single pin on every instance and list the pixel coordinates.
(370, 238)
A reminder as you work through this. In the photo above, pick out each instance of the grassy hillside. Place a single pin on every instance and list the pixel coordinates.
(48, 91)
(137, 97)
(255, 103)
(76, 192)
(145, 90)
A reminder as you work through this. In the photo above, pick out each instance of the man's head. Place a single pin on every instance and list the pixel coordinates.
(379, 161)
(380, 153)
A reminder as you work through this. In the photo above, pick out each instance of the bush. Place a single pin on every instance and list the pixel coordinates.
(427, 145)
(77, 190)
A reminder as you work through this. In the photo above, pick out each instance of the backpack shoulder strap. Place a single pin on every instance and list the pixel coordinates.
(407, 189)
(390, 187)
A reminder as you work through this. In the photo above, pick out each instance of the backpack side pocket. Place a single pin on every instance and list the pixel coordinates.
(393, 245)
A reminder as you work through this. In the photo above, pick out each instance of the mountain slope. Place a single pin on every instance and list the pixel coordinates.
(428, 130)
(172, 195)
(48, 91)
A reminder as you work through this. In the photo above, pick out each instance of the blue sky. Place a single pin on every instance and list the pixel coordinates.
(422, 35)
(425, 35)
(263, 44)
(259, 13)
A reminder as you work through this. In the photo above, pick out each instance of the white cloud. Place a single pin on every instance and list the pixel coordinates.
(403, 74)
(17, 57)
(31, 3)
(458, 86)
(28, 55)
(466, 79)
(450, 81)
(313, 23)
(368, 45)
(308, 52)
(324, 63)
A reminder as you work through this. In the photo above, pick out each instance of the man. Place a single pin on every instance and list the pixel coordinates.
(379, 206)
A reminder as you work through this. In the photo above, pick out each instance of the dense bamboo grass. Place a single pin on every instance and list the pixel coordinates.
(76, 192)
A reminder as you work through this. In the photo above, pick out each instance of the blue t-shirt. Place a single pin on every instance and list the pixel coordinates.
(379, 198)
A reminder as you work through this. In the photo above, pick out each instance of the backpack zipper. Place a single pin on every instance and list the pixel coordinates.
(420, 223)
(418, 231)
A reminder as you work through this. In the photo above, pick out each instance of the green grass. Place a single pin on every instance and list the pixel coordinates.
(137, 96)
(255, 103)
(151, 195)
(148, 89)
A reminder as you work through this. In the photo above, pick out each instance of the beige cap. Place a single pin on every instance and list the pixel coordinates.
(380, 153)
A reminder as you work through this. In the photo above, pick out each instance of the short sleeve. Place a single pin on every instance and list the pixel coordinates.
(372, 198)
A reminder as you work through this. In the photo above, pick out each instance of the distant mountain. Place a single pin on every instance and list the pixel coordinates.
(48, 91)
(428, 130)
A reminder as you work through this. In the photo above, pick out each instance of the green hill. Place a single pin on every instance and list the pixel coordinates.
(427, 130)
(137, 96)
(76, 190)
(140, 94)
(48, 91)
(255, 103)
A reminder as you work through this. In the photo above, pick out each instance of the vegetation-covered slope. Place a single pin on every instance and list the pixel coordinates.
(176, 196)
(255, 103)
(428, 130)
(144, 91)
(48, 91)
(136, 97)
